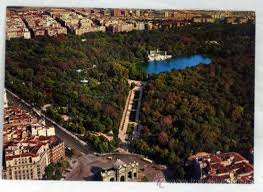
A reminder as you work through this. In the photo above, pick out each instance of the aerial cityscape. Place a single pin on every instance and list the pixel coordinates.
(137, 95)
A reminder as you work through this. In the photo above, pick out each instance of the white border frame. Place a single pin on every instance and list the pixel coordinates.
(251, 5)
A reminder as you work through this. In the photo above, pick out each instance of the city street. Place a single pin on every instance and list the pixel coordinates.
(69, 138)
(88, 167)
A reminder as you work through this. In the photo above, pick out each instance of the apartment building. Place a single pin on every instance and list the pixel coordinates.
(42, 24)
(228, 167)
(15, 27)
(25, 161)
(29, 145)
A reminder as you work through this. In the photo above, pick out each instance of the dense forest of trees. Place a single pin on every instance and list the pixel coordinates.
(49, 70)
(202, 108)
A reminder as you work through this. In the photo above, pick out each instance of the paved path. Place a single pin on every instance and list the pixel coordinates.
(139, 85)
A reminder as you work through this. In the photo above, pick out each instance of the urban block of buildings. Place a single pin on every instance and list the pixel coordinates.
(76, 23)
(15, 27)
(42, 24)
(29, 145)
(224, 167)
(31, 22)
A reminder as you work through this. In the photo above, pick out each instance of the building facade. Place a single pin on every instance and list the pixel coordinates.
(121, 171)
(57, 150)
(29, 146)
(26, 163)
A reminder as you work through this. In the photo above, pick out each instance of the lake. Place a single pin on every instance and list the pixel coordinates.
(175, 63)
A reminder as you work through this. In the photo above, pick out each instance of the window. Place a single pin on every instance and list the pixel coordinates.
(130, 175)
(122, 178)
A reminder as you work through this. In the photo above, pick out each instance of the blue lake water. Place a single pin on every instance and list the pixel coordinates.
(175, 63)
